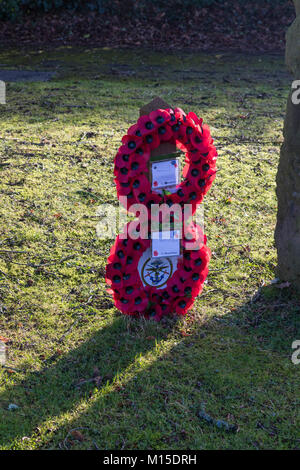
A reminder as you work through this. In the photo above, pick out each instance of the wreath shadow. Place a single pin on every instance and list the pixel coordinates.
(62, 382)
(193, 374)
(219, 359)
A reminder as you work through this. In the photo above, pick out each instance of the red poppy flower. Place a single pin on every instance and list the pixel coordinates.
(143, 152)
(131, 278)
(183, 146)
(201, 140)
(192, 173)
(119, 250)
(141, 189)
(166, 308)
(113, 277)
(110, 273)
(134, 130)
(194, 239)
(121, 159)
(137, 165)
(165, 133)
(165, 296)
(125, 159)
(155, 312)
(123, 188)
(131, 291)
(135, 247)
(191, 288)
(160, 117)
(182, 305)
(208, 167)
(209, 182)
(141, 301)
(197, 121)
(154, 294)
(145, 125)
(131, 263)
(200, 180)
(175, 128)
(172, 115)
(174, 286)
(130, 143)
(195, 155)
(152, 140)
(125, 305)
(122, 174)
(183, 275)
(180, 114)
(201, 255)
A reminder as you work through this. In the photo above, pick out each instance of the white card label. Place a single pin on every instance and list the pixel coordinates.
(2, 353)
(165, 173)
(165, 243)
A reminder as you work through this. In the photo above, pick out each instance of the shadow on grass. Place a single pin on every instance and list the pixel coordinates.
(237, 368)
(54, 389)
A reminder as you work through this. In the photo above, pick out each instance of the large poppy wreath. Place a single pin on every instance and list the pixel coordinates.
(135, 294)
(189, 134)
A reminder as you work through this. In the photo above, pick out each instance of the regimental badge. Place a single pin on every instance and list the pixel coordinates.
(156, 272)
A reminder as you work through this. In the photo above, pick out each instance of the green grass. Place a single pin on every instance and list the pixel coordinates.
(232, 354)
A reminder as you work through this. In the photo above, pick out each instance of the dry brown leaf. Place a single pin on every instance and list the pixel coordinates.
(4, 340)
(77, 435)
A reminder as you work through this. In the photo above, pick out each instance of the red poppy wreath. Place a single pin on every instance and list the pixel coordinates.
(137, 281)
(189, 134)
(140, 284)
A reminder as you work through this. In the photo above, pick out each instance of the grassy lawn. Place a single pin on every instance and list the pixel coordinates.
(231, 356)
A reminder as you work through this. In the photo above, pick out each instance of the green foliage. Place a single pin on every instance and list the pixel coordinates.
(51, 5)
(13, 9)
(9, 9)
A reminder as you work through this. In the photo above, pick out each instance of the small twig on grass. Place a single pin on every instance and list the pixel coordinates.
(85, 382)
(12, 251)
(73, 433)
(218, 270)
(68, 331)
(52, 262)
(209, 292)
(41, 265)
(77, 106)
(219, 423)
(97, 379)
(10, 368)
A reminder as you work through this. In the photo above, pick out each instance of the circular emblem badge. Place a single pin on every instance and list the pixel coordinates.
(156, 272)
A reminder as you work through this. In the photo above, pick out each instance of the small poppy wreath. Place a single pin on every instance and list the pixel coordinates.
(189, 134)
(132, 297)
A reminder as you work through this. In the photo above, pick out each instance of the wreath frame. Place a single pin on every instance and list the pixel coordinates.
(131, 171)
(132, 297)
(189, 134)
